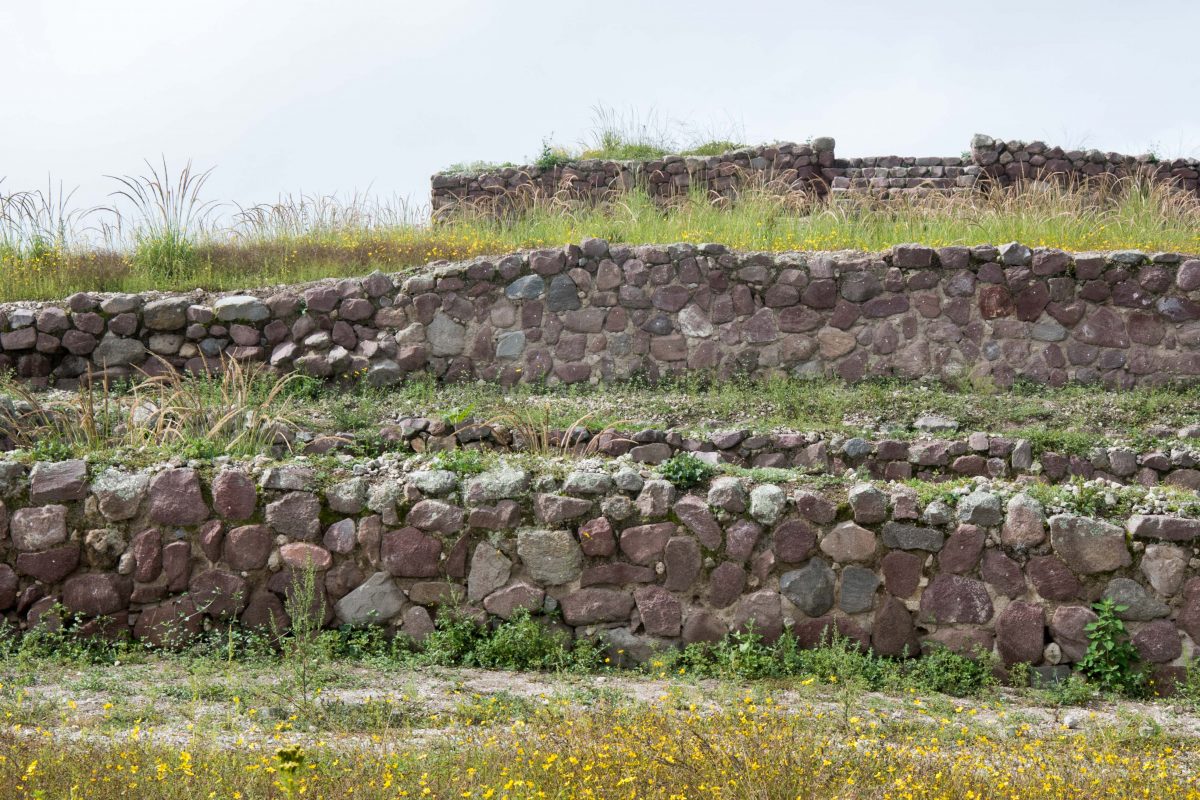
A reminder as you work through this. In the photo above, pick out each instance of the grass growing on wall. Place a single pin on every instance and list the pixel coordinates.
(169, 238)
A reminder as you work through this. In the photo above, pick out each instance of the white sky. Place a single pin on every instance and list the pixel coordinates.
(299, 95)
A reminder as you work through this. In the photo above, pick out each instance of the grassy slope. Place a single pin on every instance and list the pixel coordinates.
(289, 244)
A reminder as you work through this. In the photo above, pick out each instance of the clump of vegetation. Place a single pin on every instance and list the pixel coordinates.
(462, 461)
(520, 643)
(237, 410)
(685, 470)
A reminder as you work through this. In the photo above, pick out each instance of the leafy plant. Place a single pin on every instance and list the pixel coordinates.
(686, 470)
(301, 651)
(552, 156)
(1111, 661)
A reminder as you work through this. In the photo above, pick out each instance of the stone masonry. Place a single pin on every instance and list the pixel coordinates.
(810, 168)
(613, 551)
(596, 312)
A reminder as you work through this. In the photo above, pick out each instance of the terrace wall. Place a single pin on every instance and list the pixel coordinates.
(595, 312)
(806, 168)
(166, 553)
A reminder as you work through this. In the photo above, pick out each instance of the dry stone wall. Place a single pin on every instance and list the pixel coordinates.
(810, 168)
(787, 165)
(606, 549)
(935, 455)
(598, 312)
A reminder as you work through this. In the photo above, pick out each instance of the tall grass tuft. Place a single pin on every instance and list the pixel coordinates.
(170, 216)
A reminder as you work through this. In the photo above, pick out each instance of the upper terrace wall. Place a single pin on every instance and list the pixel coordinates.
(796, 166)
(812, 168)
(597, 312)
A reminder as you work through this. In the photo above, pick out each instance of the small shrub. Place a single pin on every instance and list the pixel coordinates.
(523, 643)
(942, 670)
(686, 470)
(1071, 691)
(452, 641)
(552, 156)
(1111, 661)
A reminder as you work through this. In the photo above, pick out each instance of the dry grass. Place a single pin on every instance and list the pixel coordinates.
(237, 409)
(164, 235)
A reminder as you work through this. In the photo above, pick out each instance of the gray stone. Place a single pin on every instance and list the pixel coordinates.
(510, 345)
(241, 308)
(384, 372)
(120, 494)
(446, 337)
(935, 423)
(1015, 254)
(868, 504)
(503, 483)
(1164, 566)
(551, 557)
(1140, 606)
(980, 508)
(436, 482)
(347, 497)
(857, 592)
(589, 483)
(527, 287)
(490, 570)
(767, 503)
(899, 536)
(810, 588)
(167, 314)
(727, 494)
(563, 294)
(115, 351)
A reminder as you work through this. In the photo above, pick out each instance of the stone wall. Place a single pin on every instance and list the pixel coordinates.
(787, 166)
(165, 553)
(596, 312)
(937, 454)
(809, 168)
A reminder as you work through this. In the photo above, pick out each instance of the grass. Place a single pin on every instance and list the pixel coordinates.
(48, 250)
(607, 744)
(105, 721)
(260, 413)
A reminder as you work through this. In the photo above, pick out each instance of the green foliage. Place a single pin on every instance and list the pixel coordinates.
(686, 470)
(1111, 661)
(462, 461)
(713, 148)
(301, 651)
(942, 670)
(552, 156)
(1071, 691)
(520, 643)
(166, 256)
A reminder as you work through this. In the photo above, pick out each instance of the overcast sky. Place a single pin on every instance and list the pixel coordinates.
(298, 95)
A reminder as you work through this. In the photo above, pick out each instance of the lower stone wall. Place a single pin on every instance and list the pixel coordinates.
(608, 550)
